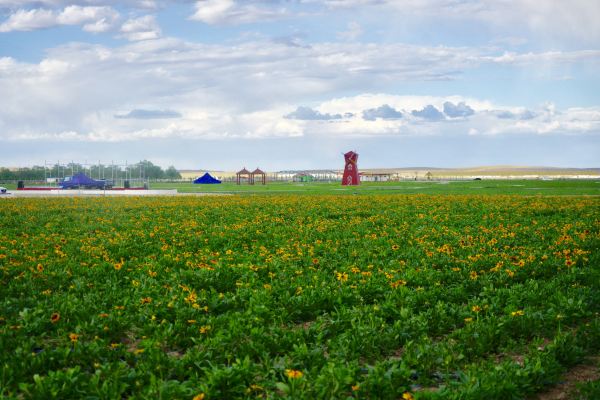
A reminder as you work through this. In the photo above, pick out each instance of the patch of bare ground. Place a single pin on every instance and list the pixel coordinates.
(566, 389)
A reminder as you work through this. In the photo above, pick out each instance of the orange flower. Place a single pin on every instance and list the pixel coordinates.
(568, 262)
(55, 317)
(146, 300)
(74, 337)
(398, 283)
(199, 397)
(40, 268)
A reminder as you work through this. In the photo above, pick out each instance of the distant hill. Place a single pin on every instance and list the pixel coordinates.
(499, 171)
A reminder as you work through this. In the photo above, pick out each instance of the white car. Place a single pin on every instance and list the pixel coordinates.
(2, 190)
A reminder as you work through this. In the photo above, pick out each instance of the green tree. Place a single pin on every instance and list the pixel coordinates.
(172, 173)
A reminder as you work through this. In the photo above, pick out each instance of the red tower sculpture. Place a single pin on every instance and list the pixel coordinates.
(351, 170)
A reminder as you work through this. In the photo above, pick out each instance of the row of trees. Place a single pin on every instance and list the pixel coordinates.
(143, 169)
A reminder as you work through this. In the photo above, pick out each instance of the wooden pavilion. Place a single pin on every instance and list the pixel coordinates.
(259, 172)
(244, 174)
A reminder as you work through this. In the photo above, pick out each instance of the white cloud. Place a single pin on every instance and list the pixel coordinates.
(27, 20)
(142, 28)
(19, 4)
(235, 12)
(247, 89)
(353, 32)
(550, 21)
(93, 19)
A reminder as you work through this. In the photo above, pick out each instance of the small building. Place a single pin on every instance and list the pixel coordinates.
(369, 176)
(303, 177)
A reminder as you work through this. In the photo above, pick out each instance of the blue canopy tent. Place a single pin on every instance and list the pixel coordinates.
(206, 179)
(81, 180)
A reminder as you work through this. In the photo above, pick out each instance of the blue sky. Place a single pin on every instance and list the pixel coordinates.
(291, 84)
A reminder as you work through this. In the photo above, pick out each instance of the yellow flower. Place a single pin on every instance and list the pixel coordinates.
(74, 337)
(407, 396)
(199, 397)
(254, 388)
(473, 275)
(355, 388)
(40, 268)
(204, 329)
(146, 300)
(517, 313)
(476, 309)
(341, 276)
(118, 266)
(468, 319)
(293, 373)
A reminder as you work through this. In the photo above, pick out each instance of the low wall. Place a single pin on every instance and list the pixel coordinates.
(82, 192)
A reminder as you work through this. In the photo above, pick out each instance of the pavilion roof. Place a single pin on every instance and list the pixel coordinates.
(257, 171)
(244, 171)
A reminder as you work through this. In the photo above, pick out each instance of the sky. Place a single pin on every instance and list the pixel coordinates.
(293, 84)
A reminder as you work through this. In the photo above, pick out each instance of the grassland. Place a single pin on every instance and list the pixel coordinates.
(308, 297)
(483, 187)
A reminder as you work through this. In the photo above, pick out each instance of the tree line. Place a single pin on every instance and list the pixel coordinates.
(143, 169)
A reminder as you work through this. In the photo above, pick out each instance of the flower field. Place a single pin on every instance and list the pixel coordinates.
(314, 296)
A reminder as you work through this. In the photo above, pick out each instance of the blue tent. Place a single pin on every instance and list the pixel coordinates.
(206, 179)
(81, 180)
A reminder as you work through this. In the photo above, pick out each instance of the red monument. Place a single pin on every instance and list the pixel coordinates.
(350, 170)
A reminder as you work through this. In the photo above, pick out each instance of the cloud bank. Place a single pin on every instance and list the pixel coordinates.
(256, 89)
